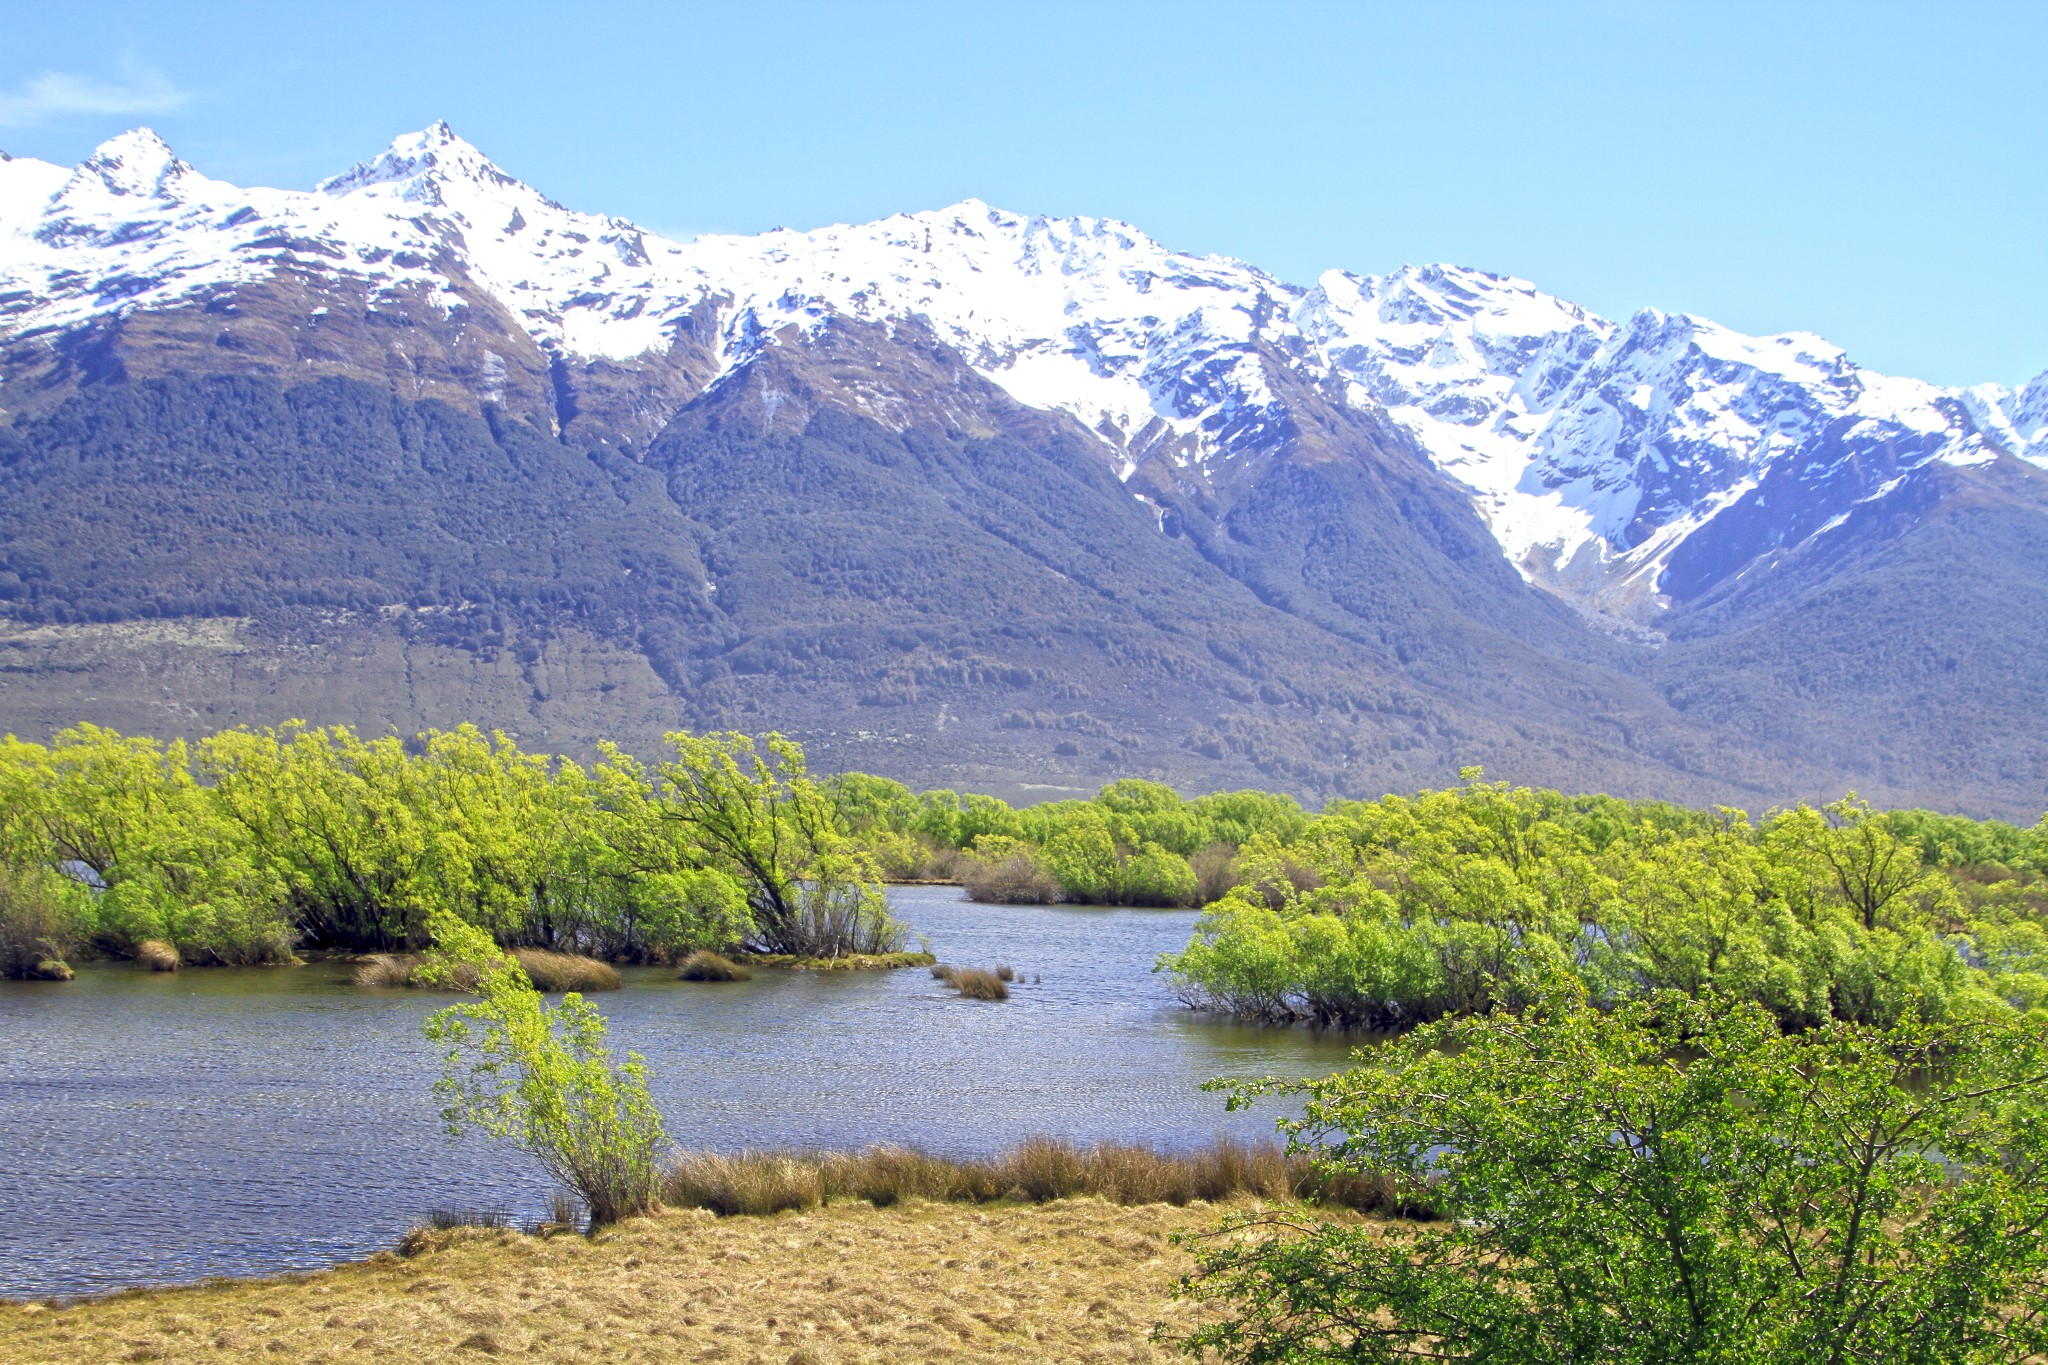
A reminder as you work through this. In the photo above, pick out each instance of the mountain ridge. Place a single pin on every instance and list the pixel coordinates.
(1335, 535)
(1594, 449)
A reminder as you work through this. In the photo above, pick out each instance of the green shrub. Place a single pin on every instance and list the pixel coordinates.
(1157, 876)
(543, 1079)
(38, 918)
(1677, 1180)
(1008, 872)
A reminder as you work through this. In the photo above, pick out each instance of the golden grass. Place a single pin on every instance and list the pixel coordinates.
(548, 971)
(976, 983)
(1037, 1170)
(567, 971)
(157, 955)
(1080, 1281)
(385, 969)
(703, 966)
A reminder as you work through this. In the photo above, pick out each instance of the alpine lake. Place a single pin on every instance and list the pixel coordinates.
(166, 1128)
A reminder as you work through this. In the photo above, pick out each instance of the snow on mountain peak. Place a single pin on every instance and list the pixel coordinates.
(1592, 448)
(418, 166)
(26, 188)
(138, 163)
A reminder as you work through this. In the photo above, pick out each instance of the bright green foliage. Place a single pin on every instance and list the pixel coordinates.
(40, 917)
(543, 1079)
(1131, 845)
(1678, 1180)
(1394, 912)
(1155, 876)
(253, 841)
(172, 864)
(760, 820)
(1083, 856)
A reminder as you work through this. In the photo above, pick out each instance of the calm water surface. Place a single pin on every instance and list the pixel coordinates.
(165, 1128)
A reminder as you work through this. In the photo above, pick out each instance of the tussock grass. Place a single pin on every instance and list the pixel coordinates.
(567, 971)
(976, 983)
(1076, 1281)
(424, 1235)
(385, 969)
(1037, 1171)
(157, 955)
(706, 966)
(548, 972)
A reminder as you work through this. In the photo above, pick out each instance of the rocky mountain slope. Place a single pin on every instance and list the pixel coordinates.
(994, 496)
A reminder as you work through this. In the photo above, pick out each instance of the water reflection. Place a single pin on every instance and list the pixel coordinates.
(166, 1128)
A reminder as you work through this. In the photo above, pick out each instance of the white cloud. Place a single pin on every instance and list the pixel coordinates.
(51, 95)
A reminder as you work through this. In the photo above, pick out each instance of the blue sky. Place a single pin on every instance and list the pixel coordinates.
(1876, 173)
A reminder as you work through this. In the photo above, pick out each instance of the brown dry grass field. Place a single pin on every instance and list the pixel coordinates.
(1074, 1280)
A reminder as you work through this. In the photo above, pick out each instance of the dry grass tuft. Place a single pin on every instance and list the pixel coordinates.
(548, 972)
(706, 966)
(157, 955)
(752, 1183)
(976, 983)
(567, 971)
(1004, 972)
(386, 969)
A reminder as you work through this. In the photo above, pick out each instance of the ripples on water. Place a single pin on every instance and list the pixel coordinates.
(163, 1128)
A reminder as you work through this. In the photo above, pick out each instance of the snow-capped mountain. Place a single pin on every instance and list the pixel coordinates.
(1620, 465)
(1595, 450)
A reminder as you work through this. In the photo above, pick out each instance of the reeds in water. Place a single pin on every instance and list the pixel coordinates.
(976, 983)
(707, 966)
(157, 955)
(385, 969)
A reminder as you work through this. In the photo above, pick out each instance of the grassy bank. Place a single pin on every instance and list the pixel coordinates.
(1037, 1170)
(1074, 1280)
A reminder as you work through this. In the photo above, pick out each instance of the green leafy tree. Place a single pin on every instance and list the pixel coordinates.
(753, 813)
(543, 1079)
(1678, 1180)
(1083, 857)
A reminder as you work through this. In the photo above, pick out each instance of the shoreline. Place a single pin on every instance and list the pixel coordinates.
(1075, 1279)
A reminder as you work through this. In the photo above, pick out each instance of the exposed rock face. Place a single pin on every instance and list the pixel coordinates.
(978, 497)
